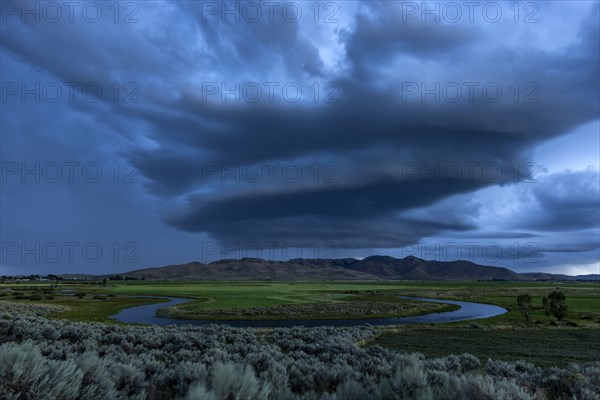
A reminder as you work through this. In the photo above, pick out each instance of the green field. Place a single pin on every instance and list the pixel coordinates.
(86, 309)
(549, 347)
(212, 298)
(583, 299)
(543, 341)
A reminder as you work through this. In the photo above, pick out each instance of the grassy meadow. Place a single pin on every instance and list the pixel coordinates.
(542, 341)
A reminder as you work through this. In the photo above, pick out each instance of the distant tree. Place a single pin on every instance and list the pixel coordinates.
(546, 305)
(104, 282)
(558, 308)
(524, 302)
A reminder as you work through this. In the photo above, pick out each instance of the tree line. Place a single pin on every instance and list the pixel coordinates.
(554, 304)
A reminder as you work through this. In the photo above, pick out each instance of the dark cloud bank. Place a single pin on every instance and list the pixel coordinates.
(375, 148)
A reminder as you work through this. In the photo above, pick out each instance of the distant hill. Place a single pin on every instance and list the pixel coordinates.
(250, 269)
(370, 268)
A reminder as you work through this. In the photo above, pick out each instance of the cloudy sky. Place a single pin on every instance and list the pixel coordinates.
(139, 134)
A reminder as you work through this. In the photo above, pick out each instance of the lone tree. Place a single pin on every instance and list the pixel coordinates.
(524, 302)
(557, 305)
(546, 305)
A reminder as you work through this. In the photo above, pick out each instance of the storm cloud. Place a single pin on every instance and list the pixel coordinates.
(405, 126)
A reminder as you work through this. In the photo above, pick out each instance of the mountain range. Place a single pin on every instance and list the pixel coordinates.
(343, 269)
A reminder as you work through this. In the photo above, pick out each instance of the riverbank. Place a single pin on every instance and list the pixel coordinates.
(466, 311)
(392, 307)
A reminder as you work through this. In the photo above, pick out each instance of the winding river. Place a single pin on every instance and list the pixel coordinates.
(146, 314)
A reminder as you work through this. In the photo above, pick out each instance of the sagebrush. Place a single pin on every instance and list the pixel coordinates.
(50, 359)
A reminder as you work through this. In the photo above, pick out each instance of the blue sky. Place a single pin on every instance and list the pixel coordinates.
(140, 134)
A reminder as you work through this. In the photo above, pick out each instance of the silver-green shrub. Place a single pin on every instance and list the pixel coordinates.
(42, 358)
